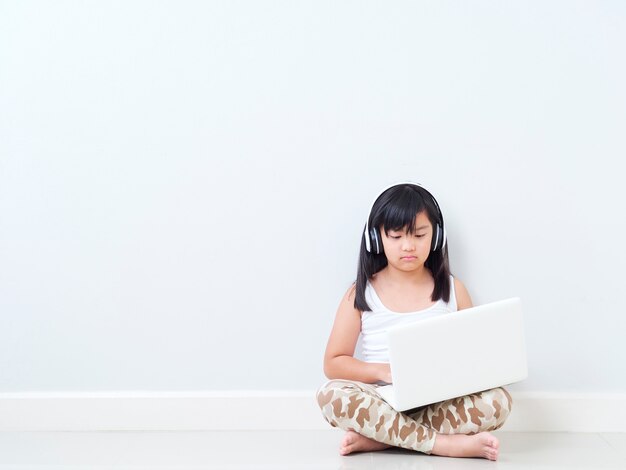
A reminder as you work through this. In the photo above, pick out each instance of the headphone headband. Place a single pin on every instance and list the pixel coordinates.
(366, 234)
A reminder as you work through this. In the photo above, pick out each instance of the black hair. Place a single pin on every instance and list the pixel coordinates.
(396, 209)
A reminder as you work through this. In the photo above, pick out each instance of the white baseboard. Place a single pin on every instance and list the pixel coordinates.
(268, 410)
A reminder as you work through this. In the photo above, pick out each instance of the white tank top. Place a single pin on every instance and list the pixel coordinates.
(374, 324)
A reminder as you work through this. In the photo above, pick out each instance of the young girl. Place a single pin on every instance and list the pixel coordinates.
(403, 276)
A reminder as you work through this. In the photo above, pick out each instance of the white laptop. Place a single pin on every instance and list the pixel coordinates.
(456, 354)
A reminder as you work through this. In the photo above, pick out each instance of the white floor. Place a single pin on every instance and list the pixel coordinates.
(289, 450)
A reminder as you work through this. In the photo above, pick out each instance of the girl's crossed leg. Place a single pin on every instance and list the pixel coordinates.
(455, 428)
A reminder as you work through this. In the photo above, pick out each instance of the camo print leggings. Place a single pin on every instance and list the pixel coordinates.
(356, 406)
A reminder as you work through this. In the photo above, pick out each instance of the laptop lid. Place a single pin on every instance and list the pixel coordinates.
(456, 354)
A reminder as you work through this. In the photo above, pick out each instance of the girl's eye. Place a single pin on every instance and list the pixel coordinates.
(420, 236)
(395, 236)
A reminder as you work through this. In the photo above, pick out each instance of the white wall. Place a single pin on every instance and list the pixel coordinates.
(183, 185)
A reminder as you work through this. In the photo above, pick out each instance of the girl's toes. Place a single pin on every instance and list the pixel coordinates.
(347, 443)
(346, 450)
(492, 454)
(347, 439)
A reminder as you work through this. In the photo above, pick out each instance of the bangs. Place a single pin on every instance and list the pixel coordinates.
(401, 214)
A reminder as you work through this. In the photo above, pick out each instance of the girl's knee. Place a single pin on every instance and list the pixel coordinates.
(324, 395)
(502, 403)
(330, 391)
(504, 399)
(329, 399)
(343, 404)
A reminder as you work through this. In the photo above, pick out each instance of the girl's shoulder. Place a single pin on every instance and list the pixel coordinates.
(346, 305)
(350, 294)
(463, 299)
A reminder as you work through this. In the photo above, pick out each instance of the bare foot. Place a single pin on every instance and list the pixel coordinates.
(483, 445)
(354, 442)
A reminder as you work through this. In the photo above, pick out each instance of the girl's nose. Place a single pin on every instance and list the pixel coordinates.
(408, 244)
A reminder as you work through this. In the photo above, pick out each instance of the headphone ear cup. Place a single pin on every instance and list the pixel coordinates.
(377, 247)
(437, 238)
(444, 238)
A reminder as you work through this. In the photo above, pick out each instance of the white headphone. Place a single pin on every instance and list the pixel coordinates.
(373, 242)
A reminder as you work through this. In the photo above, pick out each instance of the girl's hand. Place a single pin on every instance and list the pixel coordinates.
(385, 373)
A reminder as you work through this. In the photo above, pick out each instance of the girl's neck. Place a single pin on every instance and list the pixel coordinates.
(392, 275)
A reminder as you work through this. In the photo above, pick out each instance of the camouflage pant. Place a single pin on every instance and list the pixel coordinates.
(357, 406)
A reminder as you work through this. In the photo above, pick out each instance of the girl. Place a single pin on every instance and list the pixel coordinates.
(403, 276)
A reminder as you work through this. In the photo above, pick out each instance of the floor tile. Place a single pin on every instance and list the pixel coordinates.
(616, 440)
(235, 450)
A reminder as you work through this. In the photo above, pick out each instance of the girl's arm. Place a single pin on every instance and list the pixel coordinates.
(339, 362)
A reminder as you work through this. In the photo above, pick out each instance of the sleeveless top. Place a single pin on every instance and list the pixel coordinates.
(374, 324)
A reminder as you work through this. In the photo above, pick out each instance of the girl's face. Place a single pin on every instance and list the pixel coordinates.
(408, 251)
